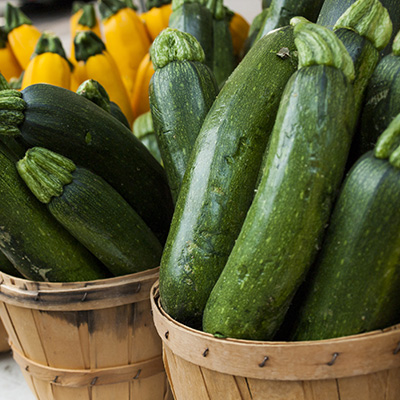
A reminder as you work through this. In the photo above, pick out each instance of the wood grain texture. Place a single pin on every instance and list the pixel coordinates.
(202, 367)
(4, 346)
(95, 347)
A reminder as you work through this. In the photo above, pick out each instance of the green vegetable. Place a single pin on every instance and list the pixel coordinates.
(382, 101)
(93, 91)
(182, 91)
(281, 11)
(143, 129)
(332, 10)
(304, 168)
(192, 16)
(256, 25)
(220, 179)
(36, 244)
(92, 211)
(64, 122)
(354, 286)
(7, 267)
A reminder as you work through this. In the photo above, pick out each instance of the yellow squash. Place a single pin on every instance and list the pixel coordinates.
(140, 96)
(156, 19)
(239, 29)
(9, 66)
(125, 37)
(101, 66)
(22, 35)
(83, 18)
(49, 64)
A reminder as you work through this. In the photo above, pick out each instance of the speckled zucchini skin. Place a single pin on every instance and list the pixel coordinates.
(381, 104)
(281, 12)
(285, 223)
(354, 286)
(37, 245)
(96, 215)
(197, 20)
(181, 94)
(332, 10)
(219, 183)
(67, 123)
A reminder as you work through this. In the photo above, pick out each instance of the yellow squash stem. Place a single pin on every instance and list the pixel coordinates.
(48, 64)
(9, 65)
(22, 35)
(83, 18)
(156, 19)
(125, 37)
(101, 66)
(140, 97)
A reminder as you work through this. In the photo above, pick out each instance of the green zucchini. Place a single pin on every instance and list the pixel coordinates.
(224, 61)
(364, 28)
(36, 244)
(92, 211)
(305, 165)
(7, 266)
(220, 179)
(143, 129)
(256, 24)
(93, 91)
(354, 286)
(192, 16)
(182, 91)
(64, 122)
(331, 11)
(382, 100)
(282, 11)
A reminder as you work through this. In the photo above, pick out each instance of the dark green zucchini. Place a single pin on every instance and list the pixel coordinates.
(219, 183)
(64, 122)
(92, 211)
(143, 129)
(36, 244)
(282, 11)
(382, 100)
(364, 28)
(224, 61)
(256, 24)
(285, 223)
(93, 91)
(354, 287)
(182, 91)
(7, 266)
(192, 16)
(332, 10)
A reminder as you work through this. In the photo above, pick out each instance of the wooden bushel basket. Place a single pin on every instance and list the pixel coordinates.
(85, 340)
(201, 367)
(4, 346)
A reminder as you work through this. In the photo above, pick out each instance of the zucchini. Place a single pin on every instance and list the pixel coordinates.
(7, 266)
(143, 129)
(92, 211)
(331, 11)
(354, 286)
(224, 61)
(282, 11)
(64, 122)
(36, 244)
(382, 100)
(304, 168)
(256, 25)
(192, 16)
(93, 91)
(181, 93)
(364, 28)
(213, 199)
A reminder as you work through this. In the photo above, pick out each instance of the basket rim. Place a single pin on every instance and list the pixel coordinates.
(342, 357)
(77, 296)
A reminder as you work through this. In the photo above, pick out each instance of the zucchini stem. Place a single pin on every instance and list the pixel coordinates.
(388, 144)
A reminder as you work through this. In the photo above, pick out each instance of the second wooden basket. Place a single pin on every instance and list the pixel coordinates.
(201, 367)
(85, 340)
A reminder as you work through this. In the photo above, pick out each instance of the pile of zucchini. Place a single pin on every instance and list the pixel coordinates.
(268, 189)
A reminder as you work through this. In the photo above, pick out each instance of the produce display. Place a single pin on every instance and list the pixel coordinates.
(255, 162)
